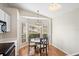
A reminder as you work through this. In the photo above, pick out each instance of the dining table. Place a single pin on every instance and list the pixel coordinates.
(34, 42)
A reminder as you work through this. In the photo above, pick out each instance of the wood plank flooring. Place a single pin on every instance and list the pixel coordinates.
(52, 51)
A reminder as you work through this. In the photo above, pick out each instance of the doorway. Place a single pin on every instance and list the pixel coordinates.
(34, 28)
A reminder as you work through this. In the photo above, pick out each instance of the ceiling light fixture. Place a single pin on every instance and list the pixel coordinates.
(54, 7)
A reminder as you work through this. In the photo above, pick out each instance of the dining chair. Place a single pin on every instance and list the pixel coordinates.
(43, 46)
(31, 47)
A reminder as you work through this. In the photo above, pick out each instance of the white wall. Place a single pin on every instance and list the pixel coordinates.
(66, 32)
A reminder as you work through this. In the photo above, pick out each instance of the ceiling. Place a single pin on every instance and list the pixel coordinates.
(43, 8)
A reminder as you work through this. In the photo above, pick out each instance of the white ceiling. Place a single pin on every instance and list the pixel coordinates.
(43, 8)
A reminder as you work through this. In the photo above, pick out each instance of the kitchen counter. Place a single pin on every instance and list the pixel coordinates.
(9, 40)
(6, 47)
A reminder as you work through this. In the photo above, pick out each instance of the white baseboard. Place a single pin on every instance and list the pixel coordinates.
(62, 50)
(75, 54)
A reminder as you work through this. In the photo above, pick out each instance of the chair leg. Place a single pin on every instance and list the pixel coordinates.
(40, 52)
(43, 50)
(35, 49)
(46, 51)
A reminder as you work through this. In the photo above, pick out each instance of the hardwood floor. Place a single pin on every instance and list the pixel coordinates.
(23, 51)
(52, 51)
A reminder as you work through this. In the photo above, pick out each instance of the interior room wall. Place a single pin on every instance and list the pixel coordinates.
(13, 23)
(66, 32)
